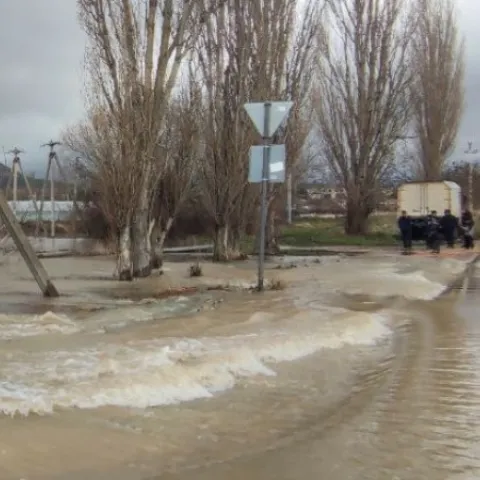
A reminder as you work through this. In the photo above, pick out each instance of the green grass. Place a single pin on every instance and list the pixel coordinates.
(328, 232)
(319, 232)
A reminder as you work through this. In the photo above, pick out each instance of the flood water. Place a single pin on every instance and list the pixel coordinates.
(354, 371)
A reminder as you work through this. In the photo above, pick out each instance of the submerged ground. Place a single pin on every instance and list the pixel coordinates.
(353, 370)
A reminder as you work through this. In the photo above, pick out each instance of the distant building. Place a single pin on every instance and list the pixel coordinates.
(318, 198)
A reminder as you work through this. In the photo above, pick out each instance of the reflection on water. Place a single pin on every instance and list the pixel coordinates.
(331, 376)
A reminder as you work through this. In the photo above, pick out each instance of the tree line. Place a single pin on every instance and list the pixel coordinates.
(165, 131)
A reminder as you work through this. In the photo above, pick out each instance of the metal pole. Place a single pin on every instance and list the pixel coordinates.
(470, 151)
(26, 250)
(470, 186)
(267, 141)
(74, 210)
(15, 184)
(52, 200)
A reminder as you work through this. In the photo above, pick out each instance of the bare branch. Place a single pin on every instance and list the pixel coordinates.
(437, 94)
(361, 96)
(136, 51)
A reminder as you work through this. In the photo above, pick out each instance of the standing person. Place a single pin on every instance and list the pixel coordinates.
(427, 231)
(405, 227)
(449, 225)
(433, 232)
(468, 226)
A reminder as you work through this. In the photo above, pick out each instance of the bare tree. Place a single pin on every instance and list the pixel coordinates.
(250, 52)
(108, 172)
(437, 56)
(361, 97)
(224, 57)
(109, 179)
(181, 146)
(135, 53)
(295, 74)
(467, 175)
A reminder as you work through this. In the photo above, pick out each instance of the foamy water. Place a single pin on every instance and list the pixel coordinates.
(108, 319)
(419, 279)
(165, 370)
(13, 326)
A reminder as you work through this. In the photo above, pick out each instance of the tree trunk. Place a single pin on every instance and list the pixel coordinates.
(158, 237)
(141, 244)
(271, 241)
(221, 251)
(356, 220)
(235, 243)
(124, 258)
(153, 234)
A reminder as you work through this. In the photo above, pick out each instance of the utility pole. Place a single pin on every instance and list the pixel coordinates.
(53, 162)
(50, 175)
(75, 194)
(471, 168)
(17, 169)
(26, 250)
(15, 230)
(13, 176)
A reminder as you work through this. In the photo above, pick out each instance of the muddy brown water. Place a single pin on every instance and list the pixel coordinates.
(357, 402)
(413, 415)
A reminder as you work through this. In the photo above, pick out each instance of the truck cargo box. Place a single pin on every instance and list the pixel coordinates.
(420, 198)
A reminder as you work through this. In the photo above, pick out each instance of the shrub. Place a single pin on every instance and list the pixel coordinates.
(277, 284)
(195, 270)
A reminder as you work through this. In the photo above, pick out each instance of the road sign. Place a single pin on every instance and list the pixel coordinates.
(276, 163)
(267, 162)
(278, 112)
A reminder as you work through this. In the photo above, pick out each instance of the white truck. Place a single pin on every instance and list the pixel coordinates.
(418, 199)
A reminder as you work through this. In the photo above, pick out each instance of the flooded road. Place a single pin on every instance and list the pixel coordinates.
(335, 377)
(414, 415)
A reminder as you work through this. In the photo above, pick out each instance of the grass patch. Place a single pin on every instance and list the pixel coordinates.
(330, 231)
(318, 232)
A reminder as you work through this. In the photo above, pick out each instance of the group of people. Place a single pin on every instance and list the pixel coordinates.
(437, 229)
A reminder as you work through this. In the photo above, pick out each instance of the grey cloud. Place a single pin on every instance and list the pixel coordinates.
(469, 12)
(41, 55)
(41, 73)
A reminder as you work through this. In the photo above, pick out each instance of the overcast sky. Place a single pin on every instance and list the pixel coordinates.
(41, 74)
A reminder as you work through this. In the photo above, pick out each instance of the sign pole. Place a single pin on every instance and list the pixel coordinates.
(263, 208)
(267, 163)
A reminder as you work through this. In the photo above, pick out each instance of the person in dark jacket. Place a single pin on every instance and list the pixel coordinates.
(449, 225)
(433, 232)
(405, 227)
(468, 226)
(428, 221)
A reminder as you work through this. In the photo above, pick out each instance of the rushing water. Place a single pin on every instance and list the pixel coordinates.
(353, 371)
